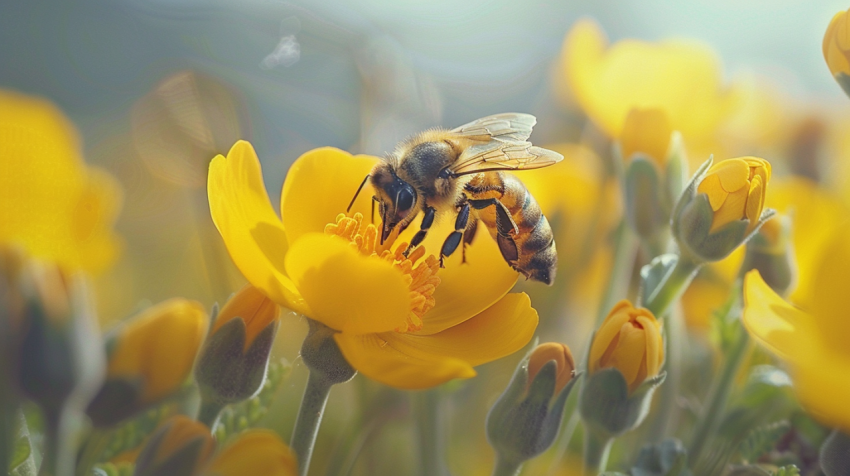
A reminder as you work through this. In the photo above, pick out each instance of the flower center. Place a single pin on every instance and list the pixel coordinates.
(419, 274)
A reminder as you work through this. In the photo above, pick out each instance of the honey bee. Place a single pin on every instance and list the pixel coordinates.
(460, 171)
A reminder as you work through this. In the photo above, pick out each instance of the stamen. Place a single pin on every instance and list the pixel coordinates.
(419, 274)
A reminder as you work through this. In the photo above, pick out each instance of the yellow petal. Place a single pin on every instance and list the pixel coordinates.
(251, 230)
(630, 353)
(830, 285)
(710, 186)
(254, 452)
(347, 291)
(782, 328)
(654, 345)
(821, 390)
(733, 174)
(607, 332)
(180, 432)
(377, 357)
(733, 209)
(501, 330)
(647, 131)
(755, 201)
(467, 289)
(253, 307)
(320, 185)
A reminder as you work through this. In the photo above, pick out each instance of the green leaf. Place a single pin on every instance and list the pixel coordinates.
(21, 453)
(244, 415)
(761, 440)
(789, 470)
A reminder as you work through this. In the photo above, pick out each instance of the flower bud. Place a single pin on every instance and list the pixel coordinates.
(771, 253)
(721, 208)
(836, 49)
(526, 418)
(233, 361)
(179, 447)
(624, 364)
(149, 358)
(254, 452)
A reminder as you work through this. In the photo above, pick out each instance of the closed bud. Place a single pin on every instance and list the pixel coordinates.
(179, 447)
(233, 361)
(721, 208)
(836, 49)
(770, 252)
(254, 452)
(623, 370)
(526, 418)
(149, 358)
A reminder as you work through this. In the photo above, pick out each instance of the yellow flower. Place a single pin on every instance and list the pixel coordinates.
(813, 342)
(179, 442)
(836, 45)
(51, 203)
(254, 452)
(252, 307)
(681, 78)
(647, 132)
(560, 353)
(149, 358)
(397, 322)
(736, 190)
(629, 340)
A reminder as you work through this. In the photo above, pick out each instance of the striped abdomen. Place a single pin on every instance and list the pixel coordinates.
(535, 255)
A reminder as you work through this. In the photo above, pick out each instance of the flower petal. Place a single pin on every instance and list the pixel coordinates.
(254, 452)
(820, 389)
(630, 353)
(654, 344)
(501, 330)
(320, 185)
(377, 357)
(347, 291)
(466, 289)
(251, 230)
(782, 328)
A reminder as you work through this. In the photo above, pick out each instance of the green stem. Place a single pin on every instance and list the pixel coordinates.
(675, 337)
(506, 468)
(596, 449)
(309, 417)
(672, 288)
(210, 413)
(625, 247)
(429, 432)
(94, 446)
(707, 425)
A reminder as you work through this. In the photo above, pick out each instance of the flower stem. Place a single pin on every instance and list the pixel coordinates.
(505, 468)
(625, 247)
(429, 431)
(210, 413)
(309, 417)
(596, 449)
(672, 288)
(716, 401)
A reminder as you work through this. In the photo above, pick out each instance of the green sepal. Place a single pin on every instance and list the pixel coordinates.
(688, 194)
(321, 354)
(225, 372)
(184, 461)
(117, 400)
(835, 454)
(844, 81)
(607, 407)
(644, 210)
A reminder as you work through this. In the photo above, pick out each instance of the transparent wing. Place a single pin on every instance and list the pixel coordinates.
(498, 155)
(508, 126)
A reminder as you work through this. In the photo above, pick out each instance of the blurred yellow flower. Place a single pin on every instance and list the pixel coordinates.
(51, 203)
(564, 363)
(396, 321)
(736, 190)
(180, 447)
(836, 48)
(681, 78)
(149, 358)
(629, 340)
(254, 452)
(646, 132)
(813, 343)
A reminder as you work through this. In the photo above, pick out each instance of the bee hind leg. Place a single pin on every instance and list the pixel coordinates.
(468, 236)
(455, 237)
(427, 221)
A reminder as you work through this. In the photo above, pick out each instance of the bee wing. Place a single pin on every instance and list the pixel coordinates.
(509, 126)
(499, 155)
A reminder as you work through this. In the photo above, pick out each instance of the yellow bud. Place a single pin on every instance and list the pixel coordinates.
(159, 346)
(647, 131)
(255, 452)
(629, 340)
(736, 189)
(836, 44)
(560, 353)
(253, 307)
(179, 442)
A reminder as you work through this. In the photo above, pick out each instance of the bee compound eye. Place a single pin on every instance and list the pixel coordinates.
(405, 199)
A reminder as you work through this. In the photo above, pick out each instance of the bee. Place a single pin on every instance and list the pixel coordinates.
(462, 172)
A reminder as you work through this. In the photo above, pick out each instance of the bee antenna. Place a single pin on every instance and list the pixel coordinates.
(351, 204)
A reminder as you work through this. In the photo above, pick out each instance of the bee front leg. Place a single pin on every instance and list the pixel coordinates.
(427, 221)
(453, 240)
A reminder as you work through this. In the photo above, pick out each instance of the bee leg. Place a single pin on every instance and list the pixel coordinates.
(454, 239)
(427, 221)
(504, 225)
(468, 236)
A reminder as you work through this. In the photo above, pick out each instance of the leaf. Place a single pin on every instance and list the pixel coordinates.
(21, 453)
(789, 470)
(761, 440)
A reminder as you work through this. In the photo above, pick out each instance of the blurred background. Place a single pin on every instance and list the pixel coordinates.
(157, 88)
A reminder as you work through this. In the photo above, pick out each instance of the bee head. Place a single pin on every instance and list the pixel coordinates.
(397, 198)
